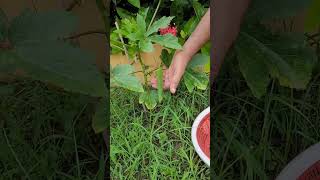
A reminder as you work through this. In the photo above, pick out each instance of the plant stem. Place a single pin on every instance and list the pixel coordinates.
(154, 14)
(122, 41)
(143, 66)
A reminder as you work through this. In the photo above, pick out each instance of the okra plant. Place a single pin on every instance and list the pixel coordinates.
(134, 35)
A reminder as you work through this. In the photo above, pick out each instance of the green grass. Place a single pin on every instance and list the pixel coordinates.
(256, 138)
(155, 144)
(46, 134)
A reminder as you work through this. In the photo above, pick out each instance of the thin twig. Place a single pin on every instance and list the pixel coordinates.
(122, 41)
(154, 14)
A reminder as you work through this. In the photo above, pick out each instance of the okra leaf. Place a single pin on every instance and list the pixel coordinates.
(121, 76)
(253, 68)
(166, 57)
(193, 79)
(149, 98)
(63, 65)
(146, 45)
(167, 40)
(161, 23)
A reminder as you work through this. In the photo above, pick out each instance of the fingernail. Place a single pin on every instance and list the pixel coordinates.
(173, 90)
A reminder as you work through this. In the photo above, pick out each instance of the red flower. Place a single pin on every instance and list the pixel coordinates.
(170, 29)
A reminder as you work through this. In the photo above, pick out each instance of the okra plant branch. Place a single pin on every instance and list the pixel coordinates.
(154, 14)
(143, 66)
(122, 41)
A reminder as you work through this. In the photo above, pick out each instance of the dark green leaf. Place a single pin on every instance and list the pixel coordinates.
(253, 68)
(99, 121)
(199, 10)
(166, 58)
(287, 58)
(123, 13)
(161, 23)
(135, 3)
(167, 40)
(63, 65)
(51, 25)
(190, 26)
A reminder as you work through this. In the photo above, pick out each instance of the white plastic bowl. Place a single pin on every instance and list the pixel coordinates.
(195, 125)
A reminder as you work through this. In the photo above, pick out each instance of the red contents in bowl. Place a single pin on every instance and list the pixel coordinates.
(312, 173)
(203, 135)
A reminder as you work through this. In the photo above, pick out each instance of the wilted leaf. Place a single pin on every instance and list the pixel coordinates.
(161, 23)
(167, 40)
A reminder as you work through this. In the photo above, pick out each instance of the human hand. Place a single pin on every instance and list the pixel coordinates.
(173, 75)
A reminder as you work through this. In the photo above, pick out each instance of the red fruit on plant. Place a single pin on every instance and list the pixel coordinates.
(168, 30)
